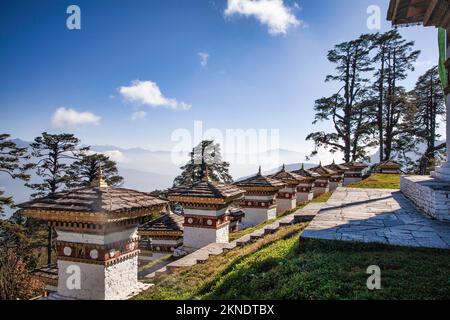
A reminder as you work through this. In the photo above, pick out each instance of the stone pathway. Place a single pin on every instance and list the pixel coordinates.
(382, 216)
(214, 249)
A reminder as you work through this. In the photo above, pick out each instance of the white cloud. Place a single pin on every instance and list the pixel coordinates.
(203, 58)
(148, 93)
(138, 115)
(64, 117)
(425, 64)
(273, 13)
(115, 155)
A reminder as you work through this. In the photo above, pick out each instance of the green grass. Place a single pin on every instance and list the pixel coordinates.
(280, 268)
(168, 258)
(379, 181)
(323, 197)
(238, 234)
(198, 280)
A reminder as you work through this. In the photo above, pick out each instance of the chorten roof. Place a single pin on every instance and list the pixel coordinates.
(338, 168)
(306, 173)
(96, 203)
(260, 181)
(355, 165)
(206, 191)
(287, 177)
(323, 171)
(389, 164)
(165, 223)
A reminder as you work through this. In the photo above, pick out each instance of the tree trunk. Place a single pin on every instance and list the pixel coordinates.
(380, 108)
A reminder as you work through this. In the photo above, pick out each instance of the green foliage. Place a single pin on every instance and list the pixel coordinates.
(52, 153)
(16, 259)
(370, 107)
(348, 109)
(83, 172)
(205, 156)
(429, 105)
(11, 158)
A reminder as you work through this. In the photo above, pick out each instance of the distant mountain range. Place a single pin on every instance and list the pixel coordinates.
(147, 170)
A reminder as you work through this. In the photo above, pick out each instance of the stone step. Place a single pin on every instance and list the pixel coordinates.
(201, 255)
(258, 234)
(271, 229)
(244, 240)
(150, 275)
(287, 221)
(229, 246)
(161, 271)
(182, 263)
(215, 249)
(299, 218)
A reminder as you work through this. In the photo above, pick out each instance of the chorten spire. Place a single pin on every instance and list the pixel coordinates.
(99, 181)
(259, 171)
(303, 166)
(283, 168)
(205, 173)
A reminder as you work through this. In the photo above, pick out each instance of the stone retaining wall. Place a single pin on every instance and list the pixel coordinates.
(429, 194)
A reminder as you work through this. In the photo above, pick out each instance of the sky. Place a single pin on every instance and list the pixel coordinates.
(139, 71)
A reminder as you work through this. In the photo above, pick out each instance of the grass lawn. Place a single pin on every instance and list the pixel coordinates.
(279, 268)
(168, 258)
(379, 181)
(198, 280)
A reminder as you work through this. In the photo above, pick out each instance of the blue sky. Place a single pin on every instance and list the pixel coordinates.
(253, 78)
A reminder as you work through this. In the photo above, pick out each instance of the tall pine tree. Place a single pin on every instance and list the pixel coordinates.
(429, 105)
(53, 154)
(394, 58)
(13, 162)
(347, 109)
(206, 153)
(83, 172)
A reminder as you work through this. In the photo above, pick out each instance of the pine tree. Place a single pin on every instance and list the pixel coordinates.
(429, 105)
(394, 57)
(53, 154)
(13, 163)
(348, 108)
(206, 153)
(84, 171)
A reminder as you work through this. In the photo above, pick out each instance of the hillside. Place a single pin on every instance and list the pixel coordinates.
(279, 266)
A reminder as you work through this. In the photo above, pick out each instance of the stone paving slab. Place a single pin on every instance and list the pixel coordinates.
(377, 215)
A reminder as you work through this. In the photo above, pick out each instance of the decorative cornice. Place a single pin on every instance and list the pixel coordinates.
(91, 217)
(171, 234)
(107, 263)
